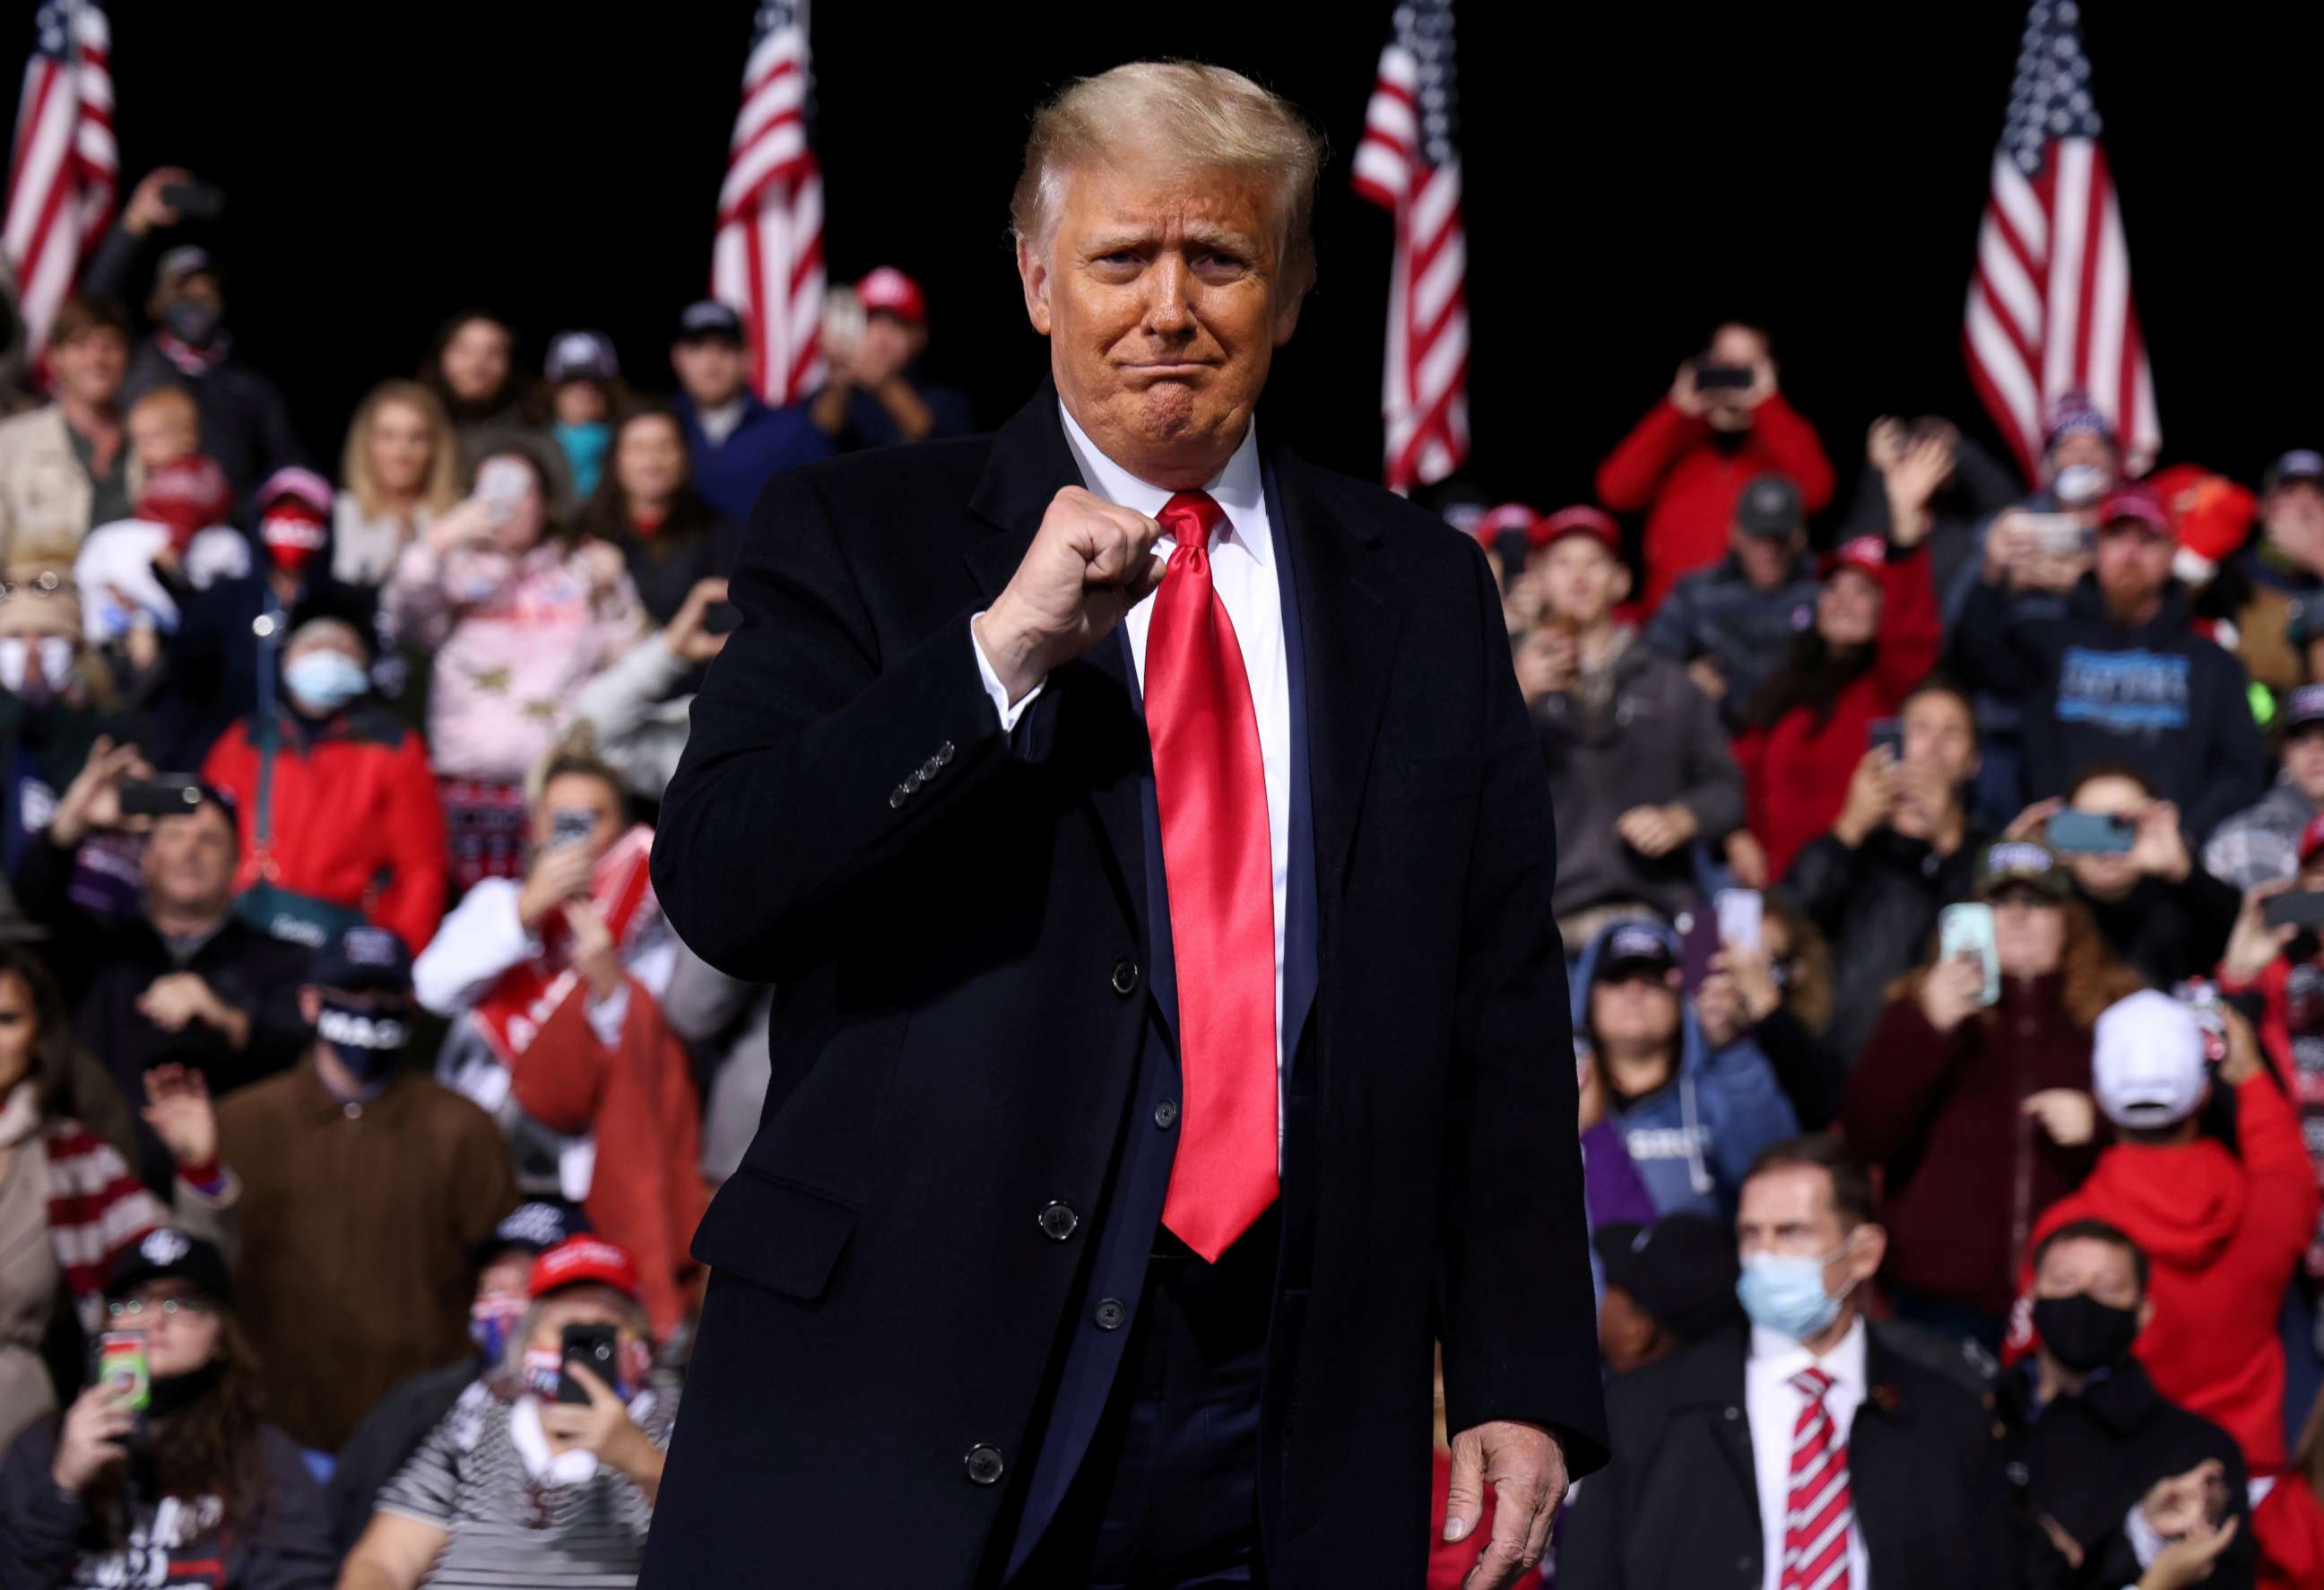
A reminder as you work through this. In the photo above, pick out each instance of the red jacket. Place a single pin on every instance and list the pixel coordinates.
(353, 818)
(1796, 771)
(2290, 1527)
(1965, 1171)
(2222, 1237)
(1671, 467)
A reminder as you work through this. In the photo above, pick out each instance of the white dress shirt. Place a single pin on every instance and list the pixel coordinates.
(1243, 573)
(1774, 1409)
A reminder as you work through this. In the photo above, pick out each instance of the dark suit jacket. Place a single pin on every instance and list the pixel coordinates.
(1680, 1506)
(955, 920)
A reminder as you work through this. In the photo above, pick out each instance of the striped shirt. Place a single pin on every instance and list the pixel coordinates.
(510, 1530)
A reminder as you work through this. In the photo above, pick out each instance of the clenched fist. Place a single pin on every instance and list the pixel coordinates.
(1090, 563)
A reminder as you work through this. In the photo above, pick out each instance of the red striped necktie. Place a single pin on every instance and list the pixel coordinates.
(1817, 1515)
(1210, 787)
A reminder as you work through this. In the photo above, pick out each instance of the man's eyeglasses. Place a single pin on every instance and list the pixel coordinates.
(137, 1308)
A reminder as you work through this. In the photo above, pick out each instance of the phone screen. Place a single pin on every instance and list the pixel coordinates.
(1965, 929)
(1741, 913)
(122, 1365)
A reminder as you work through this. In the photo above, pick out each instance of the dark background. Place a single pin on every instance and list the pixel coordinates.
(1633, 173)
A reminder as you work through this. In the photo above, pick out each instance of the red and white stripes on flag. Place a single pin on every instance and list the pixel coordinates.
(1408, 164)
(64, 169)
(767, 261)
(2050, 307)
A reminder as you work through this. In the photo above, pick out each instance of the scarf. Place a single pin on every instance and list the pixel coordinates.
(515, 1009)
(191, 360)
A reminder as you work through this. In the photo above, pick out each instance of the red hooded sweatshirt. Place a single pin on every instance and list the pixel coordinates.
(2223, 1237)
(2289, 1529)
(1673, 466)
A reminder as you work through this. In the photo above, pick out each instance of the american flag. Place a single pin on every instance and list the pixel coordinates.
(1406, 163)
(2050, 307)
(62, 175)
(767, 262)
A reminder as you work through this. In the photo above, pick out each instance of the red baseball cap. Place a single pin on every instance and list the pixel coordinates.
(578, 1259)
(1580, 519)
(889, 290)
(2139, 505)
(1867, 554)
(1507, 516)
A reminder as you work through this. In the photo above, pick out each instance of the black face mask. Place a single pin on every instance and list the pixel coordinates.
(369, 1042)
(2084, 1334)
(192, 322)
(175, 1393)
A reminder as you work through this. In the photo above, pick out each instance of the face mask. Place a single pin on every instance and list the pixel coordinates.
(544, 1367)
(192, 322)
(490, 1319)
(1784, 1292)
(2084, 1334)
(2079, 486)
(173, 1392)
(36, 667)
(291, 536)
(321, 682)
(369, 1043)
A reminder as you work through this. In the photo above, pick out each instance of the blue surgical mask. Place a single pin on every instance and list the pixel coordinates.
(1784, 1291)
(321, 682)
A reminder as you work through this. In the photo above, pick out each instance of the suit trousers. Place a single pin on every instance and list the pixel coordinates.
(1167, 1496)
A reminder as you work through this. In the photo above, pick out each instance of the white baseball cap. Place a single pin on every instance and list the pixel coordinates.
(2146, 1061)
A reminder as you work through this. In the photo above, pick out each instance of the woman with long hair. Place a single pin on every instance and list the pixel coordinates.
(401, 472)
(1875, 634)
(519, 610)
(1973, 1095)
(646, 505)
(165, 1459)
(54, 1249)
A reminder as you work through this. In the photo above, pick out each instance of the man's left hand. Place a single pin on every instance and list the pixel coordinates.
(602, 1427)
(1526, 1469)
(173, 1001)
(178, 1108)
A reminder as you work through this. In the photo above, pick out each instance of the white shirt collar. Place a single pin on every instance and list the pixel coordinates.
(1237, 488)
(1781, 1357)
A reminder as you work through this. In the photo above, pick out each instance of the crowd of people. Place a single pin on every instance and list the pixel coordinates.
(1941, 864)
(348, 1072)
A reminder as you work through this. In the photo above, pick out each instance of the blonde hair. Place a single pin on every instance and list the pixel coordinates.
(1187, 116)
(177, 400)
(441, 489)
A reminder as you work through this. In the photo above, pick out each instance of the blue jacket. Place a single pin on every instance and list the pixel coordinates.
(731, 474)
(1693, 1139)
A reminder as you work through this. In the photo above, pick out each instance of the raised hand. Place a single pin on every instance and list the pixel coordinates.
(1091, 562)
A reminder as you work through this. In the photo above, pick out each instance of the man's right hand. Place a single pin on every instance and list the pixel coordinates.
(92, 801)
(147, 209)
(558, 876)
(1090, 563)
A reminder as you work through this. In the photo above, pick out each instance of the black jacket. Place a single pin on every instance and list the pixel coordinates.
(2155, 696)
(384, 1442)
(2084, 1461)
(1877, 906)
(2167, 931)
(1679, 1507)
(955, 918)
(106, 965)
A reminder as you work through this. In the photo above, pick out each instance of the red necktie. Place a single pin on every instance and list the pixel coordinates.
(1816, 1511)
(1210, 788)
